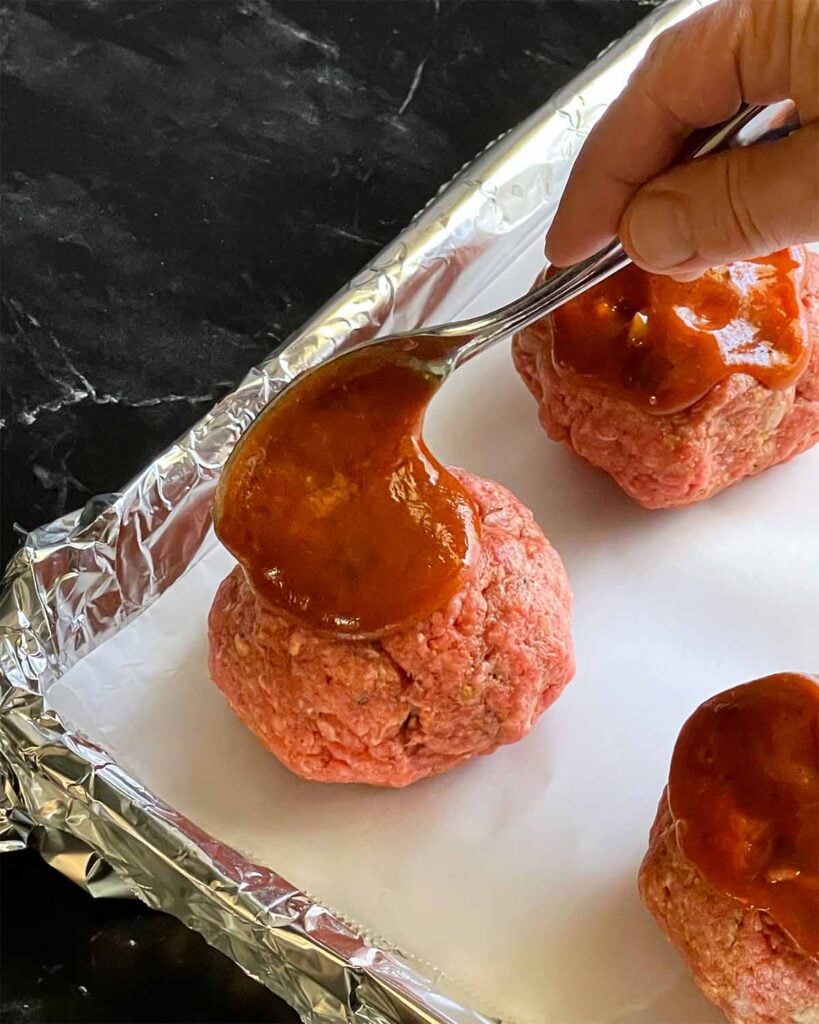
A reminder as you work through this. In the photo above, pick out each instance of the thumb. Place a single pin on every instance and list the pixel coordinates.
(735, 205)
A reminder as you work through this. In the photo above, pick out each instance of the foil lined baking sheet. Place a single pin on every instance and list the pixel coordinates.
(78, 580)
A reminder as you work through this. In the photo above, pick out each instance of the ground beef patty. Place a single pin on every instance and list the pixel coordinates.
(738, 429)
(740, 958)
(473, 676)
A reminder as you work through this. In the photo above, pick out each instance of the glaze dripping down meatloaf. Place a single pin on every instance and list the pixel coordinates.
(740, 957)
(474, 675)
(738, 428)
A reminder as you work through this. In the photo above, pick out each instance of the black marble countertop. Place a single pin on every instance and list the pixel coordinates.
(184, 183)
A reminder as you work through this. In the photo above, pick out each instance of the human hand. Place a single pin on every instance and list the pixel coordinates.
(734, 205)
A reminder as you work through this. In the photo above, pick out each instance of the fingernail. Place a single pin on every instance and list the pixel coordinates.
(657, 231)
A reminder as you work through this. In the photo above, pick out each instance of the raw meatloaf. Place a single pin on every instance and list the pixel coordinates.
(738, 429)
(473, 676)
(741, 959)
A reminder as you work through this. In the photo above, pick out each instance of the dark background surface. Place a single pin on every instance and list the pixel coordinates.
(184, 183)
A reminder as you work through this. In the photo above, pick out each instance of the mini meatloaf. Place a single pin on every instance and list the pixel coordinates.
(739, 428)
(475, 675)
(732, 869)
(739, 956)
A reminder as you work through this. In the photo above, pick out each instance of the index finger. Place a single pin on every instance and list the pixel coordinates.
(693, 76)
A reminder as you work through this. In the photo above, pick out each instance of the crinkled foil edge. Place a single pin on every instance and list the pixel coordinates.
(81, 578)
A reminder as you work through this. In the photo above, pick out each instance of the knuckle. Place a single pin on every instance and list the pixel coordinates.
(658, 48)
(743, 219)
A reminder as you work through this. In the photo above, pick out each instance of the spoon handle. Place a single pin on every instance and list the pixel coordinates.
(572, 281)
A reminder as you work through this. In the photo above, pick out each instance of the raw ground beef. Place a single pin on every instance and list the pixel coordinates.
(475, 675)
(739, 956)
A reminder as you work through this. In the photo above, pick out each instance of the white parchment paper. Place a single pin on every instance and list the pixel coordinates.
(511, 880)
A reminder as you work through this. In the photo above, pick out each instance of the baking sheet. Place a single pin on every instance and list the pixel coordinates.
(82, 579)
(510, 883)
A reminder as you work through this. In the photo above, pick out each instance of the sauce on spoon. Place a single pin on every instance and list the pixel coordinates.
(339, 513)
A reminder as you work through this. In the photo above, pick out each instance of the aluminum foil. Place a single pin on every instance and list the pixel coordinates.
(80, 579)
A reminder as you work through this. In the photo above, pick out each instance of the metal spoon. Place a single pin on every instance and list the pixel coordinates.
(438, 351)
